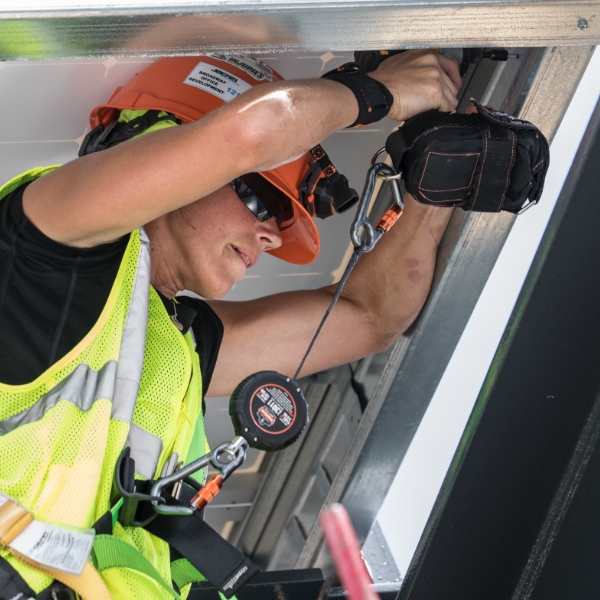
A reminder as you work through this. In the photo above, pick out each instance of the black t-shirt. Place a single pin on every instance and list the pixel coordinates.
(51, 295)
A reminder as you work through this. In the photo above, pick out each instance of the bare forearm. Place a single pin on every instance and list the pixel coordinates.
(391, 283)
(95, 199)
(284, 120)
(382, 298)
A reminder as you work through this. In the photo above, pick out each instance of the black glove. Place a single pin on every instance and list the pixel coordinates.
(486, 161)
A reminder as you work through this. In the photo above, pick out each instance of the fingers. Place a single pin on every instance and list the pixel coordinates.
(450, 93)
(420, 80)
(446, 92)
(452, 70)
(473, 109)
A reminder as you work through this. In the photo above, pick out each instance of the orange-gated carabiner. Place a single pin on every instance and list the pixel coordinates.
(236, 453)
(372, 232)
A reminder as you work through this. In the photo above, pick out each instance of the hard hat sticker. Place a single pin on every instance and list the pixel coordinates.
(273, 409)
(253, 67)
(216, 81)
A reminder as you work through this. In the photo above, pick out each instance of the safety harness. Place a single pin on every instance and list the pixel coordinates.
(198, 553)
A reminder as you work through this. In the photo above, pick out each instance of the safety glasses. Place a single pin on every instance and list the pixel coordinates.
(262, 199)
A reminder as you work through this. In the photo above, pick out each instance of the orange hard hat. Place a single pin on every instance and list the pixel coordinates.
(189, 87)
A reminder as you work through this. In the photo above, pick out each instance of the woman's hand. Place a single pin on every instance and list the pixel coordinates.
(420, 80)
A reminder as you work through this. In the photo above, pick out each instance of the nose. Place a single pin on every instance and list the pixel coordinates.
(268, 235)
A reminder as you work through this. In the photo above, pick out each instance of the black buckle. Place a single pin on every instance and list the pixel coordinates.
(56, 591)
(127, 486)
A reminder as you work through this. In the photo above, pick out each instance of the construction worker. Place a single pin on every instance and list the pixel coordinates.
(95, 360)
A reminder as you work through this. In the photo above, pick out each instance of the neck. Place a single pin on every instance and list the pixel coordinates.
(164, 275)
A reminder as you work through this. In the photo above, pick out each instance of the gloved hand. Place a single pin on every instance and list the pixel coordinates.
(485, 161)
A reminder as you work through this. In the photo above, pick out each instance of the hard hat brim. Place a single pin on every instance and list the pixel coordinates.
(153, 89)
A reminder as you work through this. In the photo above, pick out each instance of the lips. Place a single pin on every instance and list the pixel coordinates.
(249, 259)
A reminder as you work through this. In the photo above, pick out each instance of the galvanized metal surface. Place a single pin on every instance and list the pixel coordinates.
(379, 559)
(540, 92)
(72, 29)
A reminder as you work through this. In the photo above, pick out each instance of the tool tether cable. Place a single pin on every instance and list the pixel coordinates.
(351, 264)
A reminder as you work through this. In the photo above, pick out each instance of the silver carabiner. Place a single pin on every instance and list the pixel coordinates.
(236, 449)
(361, 221)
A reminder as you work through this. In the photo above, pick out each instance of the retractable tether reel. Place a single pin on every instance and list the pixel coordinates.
(268, 412)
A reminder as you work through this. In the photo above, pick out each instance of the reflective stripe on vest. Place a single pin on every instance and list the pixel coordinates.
(117, 381)
(133, 380)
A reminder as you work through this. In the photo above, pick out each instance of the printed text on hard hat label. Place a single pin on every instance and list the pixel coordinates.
(215, 81)
(252, 66)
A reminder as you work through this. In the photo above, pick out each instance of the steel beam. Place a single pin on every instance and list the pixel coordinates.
(116, 28)
(541, 92)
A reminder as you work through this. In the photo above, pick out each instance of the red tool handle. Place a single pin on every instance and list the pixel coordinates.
(345, 551)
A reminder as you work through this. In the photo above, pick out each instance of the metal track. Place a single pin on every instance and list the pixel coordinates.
(115, 28)
(541, 93)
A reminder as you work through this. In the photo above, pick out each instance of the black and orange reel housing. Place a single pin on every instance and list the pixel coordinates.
(268, 410)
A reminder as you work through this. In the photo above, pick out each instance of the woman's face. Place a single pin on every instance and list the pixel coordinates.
(218, 239)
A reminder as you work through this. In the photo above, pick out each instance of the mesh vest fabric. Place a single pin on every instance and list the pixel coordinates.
(59, 443)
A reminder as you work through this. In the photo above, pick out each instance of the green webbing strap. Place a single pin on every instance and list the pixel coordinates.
(110, 551)
(115, 511)
(183, 572)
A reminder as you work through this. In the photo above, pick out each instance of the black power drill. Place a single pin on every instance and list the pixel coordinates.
(369, 60)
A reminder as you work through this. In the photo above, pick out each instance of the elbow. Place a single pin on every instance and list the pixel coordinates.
(261, 125)
(394, 315)
(252, 145)
(386, 329)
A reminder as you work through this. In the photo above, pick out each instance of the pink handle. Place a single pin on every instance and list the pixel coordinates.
(345, 551)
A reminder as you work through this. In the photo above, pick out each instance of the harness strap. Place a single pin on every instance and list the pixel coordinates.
(110, 552)
(218, 561)
(492, 175)
(14, 520)
(190, 538)
(89, 585)
(184, 573)
(11, 582)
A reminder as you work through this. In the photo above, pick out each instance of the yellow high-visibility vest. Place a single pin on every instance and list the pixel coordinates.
(134, 381)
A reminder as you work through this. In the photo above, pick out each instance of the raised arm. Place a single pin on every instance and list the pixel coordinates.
(382, 297)
(100, 197)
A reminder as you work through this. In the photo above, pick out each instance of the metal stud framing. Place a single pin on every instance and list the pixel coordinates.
(113, 28)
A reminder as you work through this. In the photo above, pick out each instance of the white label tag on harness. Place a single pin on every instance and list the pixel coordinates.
(216, 81)
(250, 65)
(61, 549)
